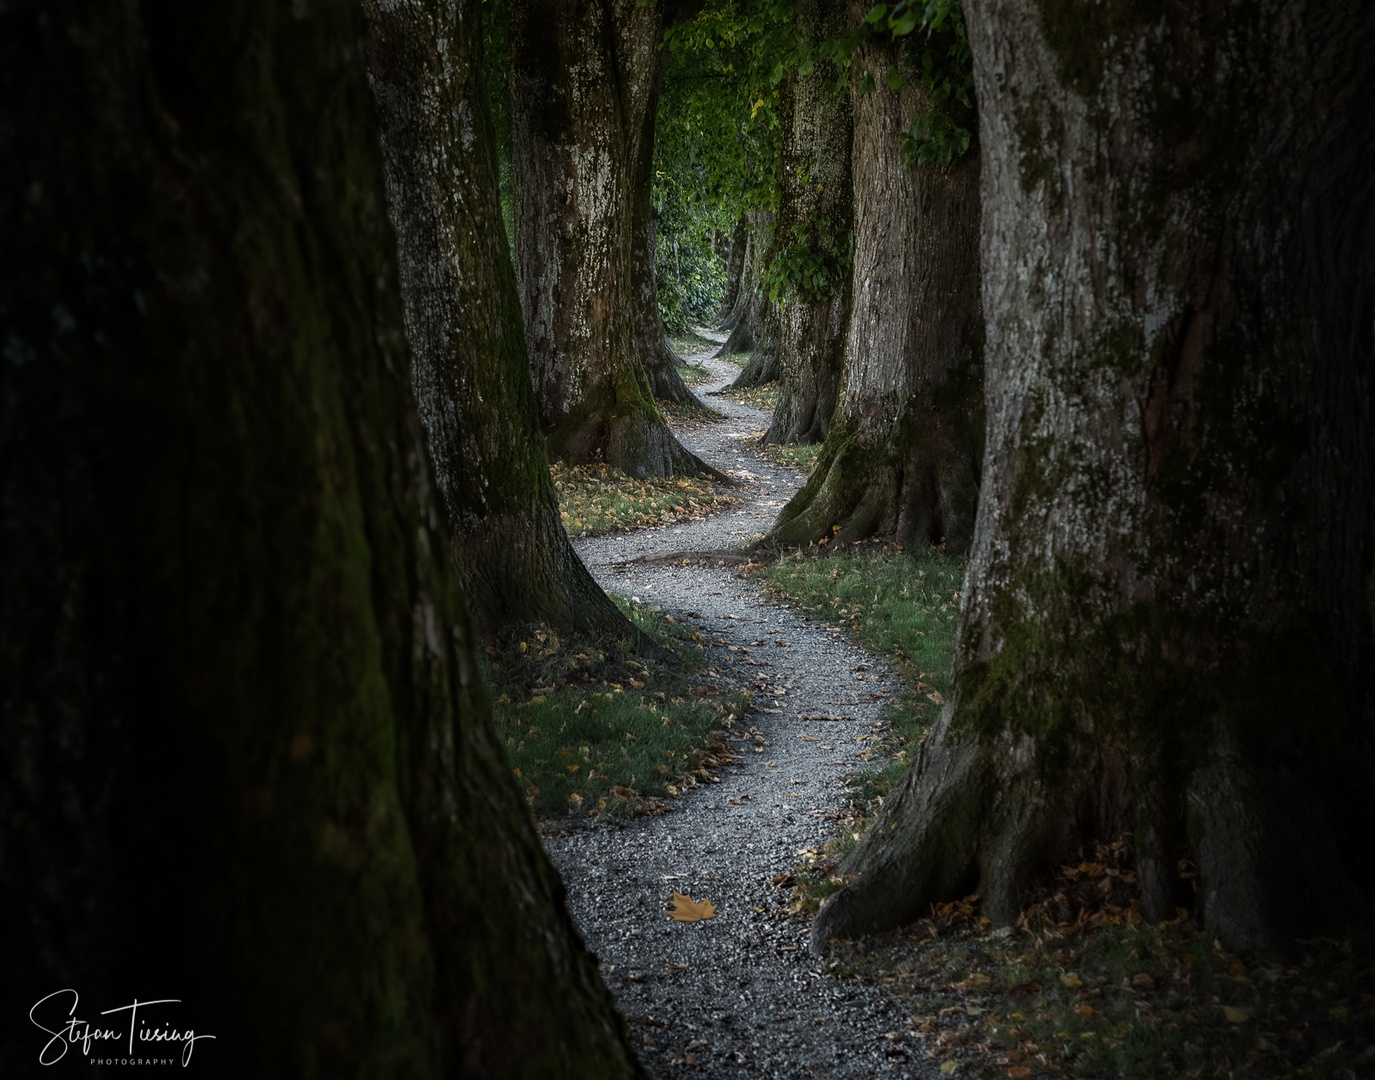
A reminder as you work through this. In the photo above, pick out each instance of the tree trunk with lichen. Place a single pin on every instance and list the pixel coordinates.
(1164, 633)
(582, 97)
(755, 330)
(815, 214)
(247, 757)
(902, 454)
(469, 364)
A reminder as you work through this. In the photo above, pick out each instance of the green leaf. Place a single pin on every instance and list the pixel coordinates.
(876, 13)
(894, 77)
(866, 85)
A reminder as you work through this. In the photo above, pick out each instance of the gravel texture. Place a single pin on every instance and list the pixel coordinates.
(737, 995)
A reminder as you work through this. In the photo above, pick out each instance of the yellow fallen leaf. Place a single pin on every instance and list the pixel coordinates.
(1070, 979)
(685, 909)
(1235, 1015)
(949, 1068)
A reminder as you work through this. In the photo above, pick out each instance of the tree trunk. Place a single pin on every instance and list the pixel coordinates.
(580, 90)
(815, 210)
(1164, 632)
(248, 762)
(649, 339)
(468, 358)
(735, 264)
(903, 451)
(756, 325)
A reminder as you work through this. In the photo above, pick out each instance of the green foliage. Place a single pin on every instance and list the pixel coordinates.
(812, 266)
(596, 499)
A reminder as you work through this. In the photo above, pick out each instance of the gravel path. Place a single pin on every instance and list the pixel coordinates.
(737, 995)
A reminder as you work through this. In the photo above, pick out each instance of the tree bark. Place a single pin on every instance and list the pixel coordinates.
(755, 329)
(815, 207)
(735, 264)
(649, 339)
(580, 94)
(248, 762)
(902, 455)
(1164, 632)
(469, 363)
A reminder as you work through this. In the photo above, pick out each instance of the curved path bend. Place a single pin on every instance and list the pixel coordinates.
(737, 995)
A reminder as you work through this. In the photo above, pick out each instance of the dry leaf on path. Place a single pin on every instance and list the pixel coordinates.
(685, 909)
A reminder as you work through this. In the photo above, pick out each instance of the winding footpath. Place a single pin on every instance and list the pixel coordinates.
(737, 995)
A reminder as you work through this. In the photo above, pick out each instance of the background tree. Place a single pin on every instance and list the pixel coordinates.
(247, 758)
(810, 272)
(1165, 631)
(468, 357)
(902, 454)
(583, 88)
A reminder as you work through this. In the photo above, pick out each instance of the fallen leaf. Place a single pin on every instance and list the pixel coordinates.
(1018, 1072)
(1071, 979)
(685, 909)
(949, 1068)
(676, 967)
(1235, 1015)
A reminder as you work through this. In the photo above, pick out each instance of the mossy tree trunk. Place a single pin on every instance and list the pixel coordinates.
(583, 85)
(902, 454)
(755, 329)
(1165, 632)
(815, 211)
(735, 264)
(469, 363)
(248, 762)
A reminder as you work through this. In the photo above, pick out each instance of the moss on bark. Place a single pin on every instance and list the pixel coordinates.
(1165, 632)
(248, 759)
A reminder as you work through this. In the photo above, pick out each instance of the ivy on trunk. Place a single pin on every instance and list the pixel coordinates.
(902, 454)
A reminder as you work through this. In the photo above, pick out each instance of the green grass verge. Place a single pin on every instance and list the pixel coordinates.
(801, 457)
(689, 341)
(693, 374)
(758, 397)
(595, 499)
(900, 605)
(598, 731)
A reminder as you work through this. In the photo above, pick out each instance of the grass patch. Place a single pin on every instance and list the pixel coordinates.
(690, 341)
(799, 456)
(1129, 1000)
(693, 374)
(893, 603)
(594, 730)
(758, 397)
(596, 499)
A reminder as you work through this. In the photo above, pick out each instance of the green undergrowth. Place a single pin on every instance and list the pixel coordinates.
(599, 730)
(899, 605)
(1125, 999)
(596, 499)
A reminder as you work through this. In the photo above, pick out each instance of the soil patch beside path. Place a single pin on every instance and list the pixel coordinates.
(737, 995)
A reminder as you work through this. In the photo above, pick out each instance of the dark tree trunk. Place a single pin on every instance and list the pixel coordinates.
(735, 264)
(649, 340)
(580, 92)
(902, 454)
(755, 329)
(815, 208)
(749, 275)
(468, 358)
(248, 762)
(1164, 633)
